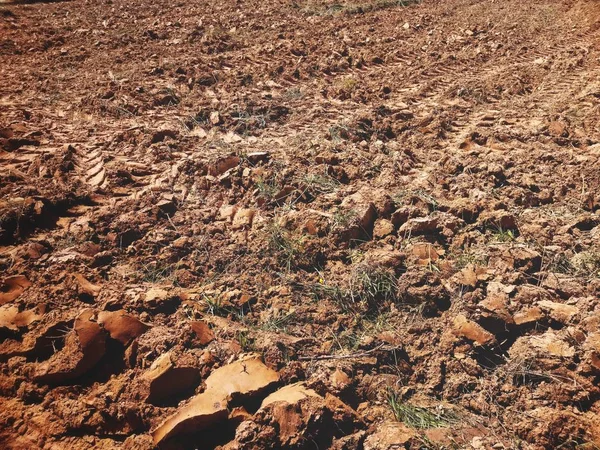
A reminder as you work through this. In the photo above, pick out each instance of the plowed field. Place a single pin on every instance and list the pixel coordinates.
(300, 224)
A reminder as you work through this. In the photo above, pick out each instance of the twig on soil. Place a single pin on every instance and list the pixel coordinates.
(171, 222)
(350, 356)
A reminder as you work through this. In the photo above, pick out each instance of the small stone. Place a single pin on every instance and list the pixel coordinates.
(203, 332)
(498, 305)
(499, 219)
(357, 217)
(158, 297)
(547, 344)
(339, 379)
(239, 414)
(85, 287)
(419, 225)
(559, 311)
(292, 394)
(243, 218)
(557, 128)
(83, 349)
(382, 228)
(256, 157)
(471, 330)
(166, 379)
(181, 242)
(390, 435)
(202, 412)
(161, 135)
(12, 319)
(215, 118)
(12, 288)
(165, 207)
(527, 316)
(241, 379)
(222, 165)
(471, 275)
(227, 212)
(401, 215)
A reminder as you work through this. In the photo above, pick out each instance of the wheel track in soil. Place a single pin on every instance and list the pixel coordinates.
(90, 167)
(438, 80)
(543, 98)
(547, 99)
(423, 92)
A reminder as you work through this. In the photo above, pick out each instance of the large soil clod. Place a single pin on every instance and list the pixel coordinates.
(84, 347)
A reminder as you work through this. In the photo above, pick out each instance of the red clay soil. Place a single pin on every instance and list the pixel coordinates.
(300, 224)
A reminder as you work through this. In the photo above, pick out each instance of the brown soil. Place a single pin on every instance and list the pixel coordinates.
(252, 225)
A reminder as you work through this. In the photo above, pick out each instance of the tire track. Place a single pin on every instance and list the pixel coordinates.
(90, 167)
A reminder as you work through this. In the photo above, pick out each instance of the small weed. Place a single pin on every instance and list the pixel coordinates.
(432, 267)
(561, 264)
(367, 287)
(247, 121)
(293, 94)
(267, 189)
(399, 196)
(321, 291)
(218, 143)
(503, 236)
(356, 8)
(286, 247)
(339, 132)
(345, 87)
(341, 219)
(320, 184)
(191, 313)
(157, 271)
(216, 32)
(414, 195)
(348, 84)
(428, 444)
(378, 323)
(347, 340)
(466, 258)
(68, 240)
(428, 199)
(279, 322)
(419, 417)
(216, 307)
(371, 286)
(170, 97)
(524, 371)
(577, 444)
(356, 255)
(246, 342)
(200, 119)
(287, 356)
(121, 111)
(586, 264)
